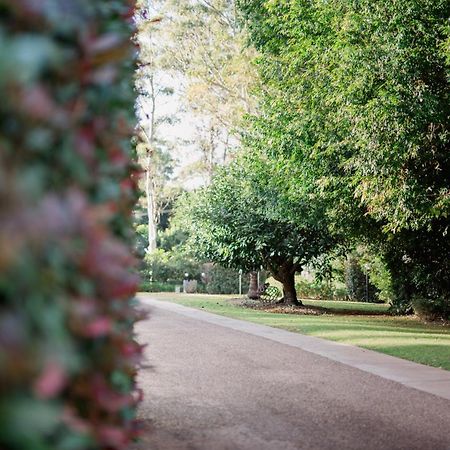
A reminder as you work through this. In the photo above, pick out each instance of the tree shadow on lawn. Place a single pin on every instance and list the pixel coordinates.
(312, 310)
(335, 323)
(422, 346)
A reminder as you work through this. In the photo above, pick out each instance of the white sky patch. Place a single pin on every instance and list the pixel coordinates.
(182, 133)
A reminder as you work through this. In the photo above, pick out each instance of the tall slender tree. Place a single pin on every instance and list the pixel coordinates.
(152, 90)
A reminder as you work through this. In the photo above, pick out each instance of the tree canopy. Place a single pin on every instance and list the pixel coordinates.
(238, 221)
(358, 94)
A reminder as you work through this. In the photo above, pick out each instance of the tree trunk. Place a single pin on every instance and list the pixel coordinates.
(253, 287)
(289, 291)
(286, 276)
(151, 211)
(149, 182)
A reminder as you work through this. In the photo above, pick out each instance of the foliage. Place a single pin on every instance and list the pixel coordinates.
(154, 286)
(200, 45)
(359, 286)
(165, 266)
(320, 290)
(357, 94)
(141, 239)
(169, 235)
(164, 270)
(66, 345)
(172, 239)
(205, 44)
(379, 277)
(225, 281)
(153, 152)
(432, 308)
(235, 222)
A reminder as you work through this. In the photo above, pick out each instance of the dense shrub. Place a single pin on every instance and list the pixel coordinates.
(320, 290)
(359, 286)
(381, 278)
(164, 270)
(225, 281)
(163, 266)
(67, 352)
(155, 286)
(432, 308)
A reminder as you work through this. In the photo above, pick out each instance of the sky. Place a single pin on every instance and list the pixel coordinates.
(183, 133)
(184, 129)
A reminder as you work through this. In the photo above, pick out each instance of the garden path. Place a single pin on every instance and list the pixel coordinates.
(214, 383)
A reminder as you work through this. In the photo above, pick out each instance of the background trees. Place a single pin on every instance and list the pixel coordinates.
(153, 151)
(348, 103)
(206, 46)
(203, 48)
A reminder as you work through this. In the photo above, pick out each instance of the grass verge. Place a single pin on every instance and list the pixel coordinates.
(404, 337)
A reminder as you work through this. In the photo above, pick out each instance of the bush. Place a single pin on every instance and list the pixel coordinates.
(155, 286)
(381, 279)
(359, 286)
(432, 308)
(225, 281)
(319, 290)
(67, 353)
(163, 266)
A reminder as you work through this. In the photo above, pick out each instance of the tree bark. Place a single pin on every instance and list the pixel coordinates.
(286, 276)
(151, 210)
(289, 291)
(149, 183)
(253, 286)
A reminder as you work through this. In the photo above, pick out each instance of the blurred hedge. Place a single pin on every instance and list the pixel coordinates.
(225, 281)
(67, 353)
(155, 286)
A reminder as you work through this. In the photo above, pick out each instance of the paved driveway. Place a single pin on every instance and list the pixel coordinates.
(210, 387)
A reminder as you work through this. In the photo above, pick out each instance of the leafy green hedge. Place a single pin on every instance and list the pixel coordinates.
(320, 290)
(225, 281)
(155, 286)
(167, 266)
(67, 352)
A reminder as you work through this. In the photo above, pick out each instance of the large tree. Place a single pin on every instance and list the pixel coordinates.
(153, 151)
(358, 93)
(238, 222)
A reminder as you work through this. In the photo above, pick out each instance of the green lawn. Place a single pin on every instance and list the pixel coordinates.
(404, 337)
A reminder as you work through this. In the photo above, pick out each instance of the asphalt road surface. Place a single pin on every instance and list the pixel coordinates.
(209, 387)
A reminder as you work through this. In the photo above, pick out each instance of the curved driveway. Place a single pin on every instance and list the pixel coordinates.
(211, 387)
